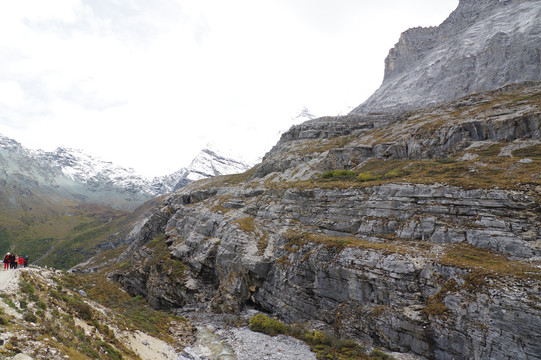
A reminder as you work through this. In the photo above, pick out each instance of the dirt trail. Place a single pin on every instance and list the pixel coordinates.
(8, 278)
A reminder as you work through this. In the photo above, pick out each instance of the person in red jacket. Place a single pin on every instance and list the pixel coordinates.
(7, 261)
(21, 261)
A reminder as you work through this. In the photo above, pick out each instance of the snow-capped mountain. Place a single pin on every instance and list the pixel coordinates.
(209, 164)
(304, 115)
(94, 172)
(78, 175)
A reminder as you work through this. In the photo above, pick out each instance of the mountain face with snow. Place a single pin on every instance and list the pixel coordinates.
(92, 179)
(208, 164)
(74, 174)
(483, 45)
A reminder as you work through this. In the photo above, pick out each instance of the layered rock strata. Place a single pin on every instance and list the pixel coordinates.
(440, 270)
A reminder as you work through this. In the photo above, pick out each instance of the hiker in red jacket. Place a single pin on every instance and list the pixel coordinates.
(7, 261)
(21, 261)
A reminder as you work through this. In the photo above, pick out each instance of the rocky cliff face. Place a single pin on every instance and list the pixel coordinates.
(428, 242)
(417, 230)
(483, 45)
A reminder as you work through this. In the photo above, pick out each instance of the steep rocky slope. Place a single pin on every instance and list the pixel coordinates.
(415, 231)
(483, 45)
(52, 315)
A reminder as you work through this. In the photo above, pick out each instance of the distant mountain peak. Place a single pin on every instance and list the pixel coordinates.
(77, 174)
(304, 115)
(208, 163)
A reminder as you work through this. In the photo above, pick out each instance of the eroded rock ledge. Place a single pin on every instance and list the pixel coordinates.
(440, 270)
(388, 264)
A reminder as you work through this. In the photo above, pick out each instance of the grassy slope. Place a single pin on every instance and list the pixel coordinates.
(63, 319)
(68, 235)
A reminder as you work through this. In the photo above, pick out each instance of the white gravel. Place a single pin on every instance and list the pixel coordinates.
(251, 345)
(244, 344)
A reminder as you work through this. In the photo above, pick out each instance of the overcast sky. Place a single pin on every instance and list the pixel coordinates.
(147, 84)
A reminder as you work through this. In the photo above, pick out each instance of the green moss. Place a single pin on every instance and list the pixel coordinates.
(266, 325)
(30, 317)
(339, 174)
(9, 302)
(394, 173)
(367, 176)
(486, 264)
(492, 150)
(485, 172)
(377, 354)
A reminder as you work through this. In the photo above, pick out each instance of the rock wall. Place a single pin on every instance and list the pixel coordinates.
(370, 262)
(435, 132)
(443, 271)
(483, 45)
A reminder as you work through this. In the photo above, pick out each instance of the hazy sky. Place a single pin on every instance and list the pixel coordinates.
(147, 84)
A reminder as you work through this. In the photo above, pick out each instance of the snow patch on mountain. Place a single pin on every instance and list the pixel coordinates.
(304, 115)
(95, 172)
(208, 164)
(90, 178)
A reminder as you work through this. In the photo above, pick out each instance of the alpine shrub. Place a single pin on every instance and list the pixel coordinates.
(338, 174)
(366, 176)
(266, 325)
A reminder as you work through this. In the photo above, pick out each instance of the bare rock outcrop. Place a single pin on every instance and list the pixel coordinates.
(386, 265)
(483, 45)
(446, 268)
(415, 230)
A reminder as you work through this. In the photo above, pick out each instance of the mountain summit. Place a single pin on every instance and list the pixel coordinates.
(208, 164)
(483, 45)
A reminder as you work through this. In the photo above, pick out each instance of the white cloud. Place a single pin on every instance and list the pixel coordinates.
(146, 84)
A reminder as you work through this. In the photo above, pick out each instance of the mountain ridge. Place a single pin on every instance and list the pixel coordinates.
(483, 45)
(84, 177)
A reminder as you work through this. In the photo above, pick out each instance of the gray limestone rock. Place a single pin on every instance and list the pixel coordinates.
(483, 45)
(320, 254)
(441, 271)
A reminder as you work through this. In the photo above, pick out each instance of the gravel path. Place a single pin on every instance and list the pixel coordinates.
(244, 344)
(8, 280)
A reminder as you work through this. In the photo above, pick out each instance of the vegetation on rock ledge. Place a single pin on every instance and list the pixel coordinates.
(327, 347)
